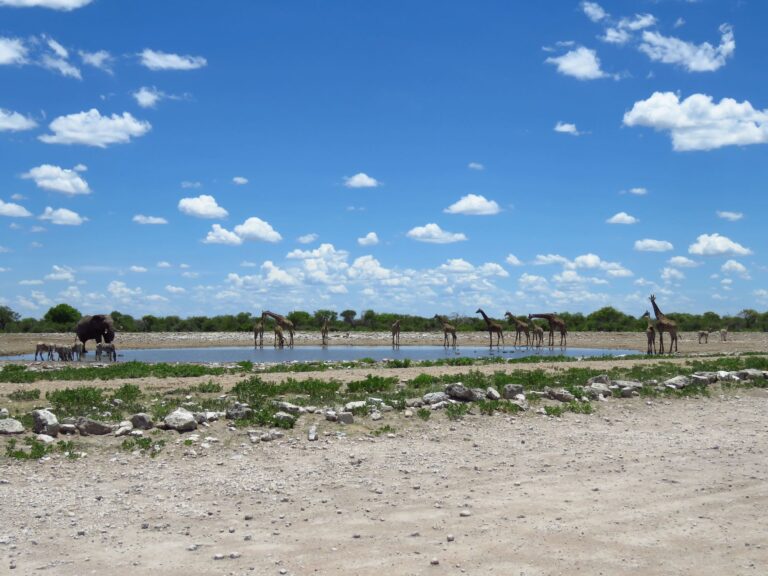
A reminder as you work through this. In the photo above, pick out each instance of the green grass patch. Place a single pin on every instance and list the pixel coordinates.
(371, 384)
(424, 413)
(22, 395)
(456, 411)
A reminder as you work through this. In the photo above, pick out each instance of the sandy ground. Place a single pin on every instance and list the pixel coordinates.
(661, 488)
(688, 343)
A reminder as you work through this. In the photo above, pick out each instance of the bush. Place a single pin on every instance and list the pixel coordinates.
(22, 395)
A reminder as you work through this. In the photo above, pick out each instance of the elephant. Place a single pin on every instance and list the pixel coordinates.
(97, 327)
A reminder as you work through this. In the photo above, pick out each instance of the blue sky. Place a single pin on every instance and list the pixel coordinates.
(183, 157)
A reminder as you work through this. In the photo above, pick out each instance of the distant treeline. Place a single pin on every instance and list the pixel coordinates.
(63, 318)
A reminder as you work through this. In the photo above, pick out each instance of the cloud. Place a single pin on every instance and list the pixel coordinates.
(307, 238)
(594, 11)
(219, 235)
(121, 291)
(57, 60)
(62, 217)
(163, 264)
(257, 229)
(672, 275)
(141, 219)
(276, 275)
(186, 184)
(513, 260)
(156, 60)
(473, 205)
(101, 59)
(12, 51)
(476, 166)
(11, 121)
(637, 22)
(636, 191)
(361, 180)
(694, 58)
(13, 210)
(432, 233)
(622, 218)
(580, 63)
(148, 97)
(573, 277)
(370, 239)
(616, 36)
(649, 245)
(63, 5)
(717, 245)
(546, 259)
(175, 289)
(61, 274)
(203, 206)
(566, 128)
(530, 282)
(64, 180)
(92, 129)
(138, 269)
(697, 123)
(682, 262)
(730, 216)
(734, 267)
(239, 180)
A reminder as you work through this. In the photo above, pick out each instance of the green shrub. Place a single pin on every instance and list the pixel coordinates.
(81, 401)
(456, 411)
(424, 413)
(371, 384)
(22, 395)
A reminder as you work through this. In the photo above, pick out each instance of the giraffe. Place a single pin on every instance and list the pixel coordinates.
(520, 327)
(447, 329)
(258, 334)
(650, 333)
(324, 331)
(279, 337)
(538, 335)
(281, 321)
(664, 324)
(555, 323)
(493, 328)
(396, 334)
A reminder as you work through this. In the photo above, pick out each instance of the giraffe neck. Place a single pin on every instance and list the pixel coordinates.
(656, 311)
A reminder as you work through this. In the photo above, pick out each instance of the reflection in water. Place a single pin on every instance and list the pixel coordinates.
(337, 353)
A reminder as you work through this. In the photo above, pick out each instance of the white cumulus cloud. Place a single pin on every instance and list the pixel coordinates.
(717, 245)
(141, 219)
(203, 206)
(239, 180)
(62, 217)
(735, 267)
(12, 51)
(101, 59)
(157, 60)
(697, 123)
(219, 235)
(567, 128)
(257, 229)
(64, 180)
(370, 239)
(476, 166)
(307, 238)
(671, 275)
(63, 5)
(650, 245)
(361, 180)
(92, 129)
(730, 216)
(473, 205)
(594, 11)
(513, 260)
(61, 273)
(175, 289)
(137, 269)
(148, 96)
(580, 63)
(622, 218)
(693, 57)
(11, 121)
(432, 233)
(13, 210)
(682, 262)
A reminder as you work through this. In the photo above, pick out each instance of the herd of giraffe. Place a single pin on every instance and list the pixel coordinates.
(534, 333)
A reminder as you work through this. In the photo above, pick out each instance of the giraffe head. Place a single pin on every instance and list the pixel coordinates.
(646, 315)
(652, 298)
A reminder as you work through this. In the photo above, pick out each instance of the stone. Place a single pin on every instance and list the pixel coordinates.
(434, 397)
(386, 407)
(511, 390)
(67, 429)
(46, 439)
(408, 413)
(562, 395)
(312, 434)
(492, 394)
(288, 407)
(45, 422)
(90, 427)
(751, 374)
(239, 411)
(629, 392)
(595, 389)
(458, 391)
(356, 405)
(345, 418)
(710, 377)
(677, 382)
(4, 413)
(181, 420)
(600, 379)
(331, 416)
(479, 393)
(283, 417)
(124, 428)
(522, 404)
(414, 403)
(11, 426)
(376, 415)
(631, 384)
(141, 421)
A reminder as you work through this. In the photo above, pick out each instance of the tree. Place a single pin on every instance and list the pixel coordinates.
(301, 320)
(63, 315)
(750, 317)
(321, 315)
(7, 316)
(349, 316)
(369, 318)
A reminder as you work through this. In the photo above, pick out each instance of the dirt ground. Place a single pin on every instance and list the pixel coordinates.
(661, 487)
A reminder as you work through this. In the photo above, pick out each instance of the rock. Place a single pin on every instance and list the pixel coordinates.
(11, 426)
(479, 393)
(4, 413)
(597, 388)
(522, 404)
(68, 429)
(345, 418)
(727, 376)
(631, 384)
(562, 395)
(751, 374)
(356, 405)
(331, 416)
(288, 407)
(601, 379)
(283, 417)
(90, 427)
(312, 434)
(511, 390)
(141, 421)
(124, 428)
(710, 377)
(492, 394)
(386, 407)
(677, 382)
(414, 403)
(408, 413)
(376, 415)
(458, 391)
(629, 392)
(46, 439)
(434, 397)
(45, 422)
(181, 420)
(239, 411)
(441, 405)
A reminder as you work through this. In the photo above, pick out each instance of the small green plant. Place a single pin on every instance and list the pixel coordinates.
(209, 387)
(580, 407)
(245, 365)
(188, 442)
(371, 384)
(488, 407)
(456, 411)
(77, 401)
(424, 413)
(367, 360)
(554, 410)
(22, 395)
(143, 444)
(386, 429)
(36, 451)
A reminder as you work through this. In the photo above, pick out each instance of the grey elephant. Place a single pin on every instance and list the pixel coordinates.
(97, 327)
